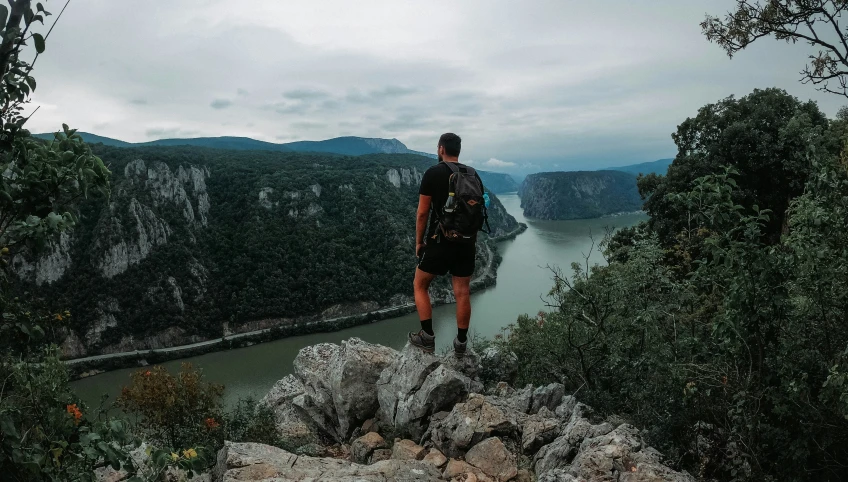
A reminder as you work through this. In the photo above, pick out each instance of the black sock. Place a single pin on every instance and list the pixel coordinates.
(462, 334)
(427, 326)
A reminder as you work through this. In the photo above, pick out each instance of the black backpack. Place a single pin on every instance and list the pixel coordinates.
(464, 212)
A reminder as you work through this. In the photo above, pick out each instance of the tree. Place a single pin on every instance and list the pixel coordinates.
(768, 136)
(815, 22)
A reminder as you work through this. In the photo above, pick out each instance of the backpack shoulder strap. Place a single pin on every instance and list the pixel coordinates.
(452, 165)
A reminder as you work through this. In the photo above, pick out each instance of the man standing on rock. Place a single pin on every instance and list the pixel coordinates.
(452, 197)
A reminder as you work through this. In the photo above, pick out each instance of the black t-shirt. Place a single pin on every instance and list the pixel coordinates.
(435, 184)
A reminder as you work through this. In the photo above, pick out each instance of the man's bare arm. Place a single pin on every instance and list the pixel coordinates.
(421, 220)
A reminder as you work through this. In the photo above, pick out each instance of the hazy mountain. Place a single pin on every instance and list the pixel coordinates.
(655, 167)
(498, 182)
(349, 146)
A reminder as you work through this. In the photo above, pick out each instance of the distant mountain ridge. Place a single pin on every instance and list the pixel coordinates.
(659, 166)
(349, 145)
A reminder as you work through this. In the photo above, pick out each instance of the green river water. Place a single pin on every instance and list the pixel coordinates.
(522, 280)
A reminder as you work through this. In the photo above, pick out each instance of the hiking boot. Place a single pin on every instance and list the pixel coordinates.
(459, 347)
(423, 341)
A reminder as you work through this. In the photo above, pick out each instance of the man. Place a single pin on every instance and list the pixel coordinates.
(438, 255)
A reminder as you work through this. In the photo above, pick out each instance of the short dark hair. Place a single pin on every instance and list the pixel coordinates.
(452, 144)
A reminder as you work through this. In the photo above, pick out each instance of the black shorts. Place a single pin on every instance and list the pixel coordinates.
(444, 257)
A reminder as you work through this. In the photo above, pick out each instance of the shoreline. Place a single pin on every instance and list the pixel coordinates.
(96, 364)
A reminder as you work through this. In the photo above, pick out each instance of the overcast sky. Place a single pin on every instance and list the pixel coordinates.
(532, 85)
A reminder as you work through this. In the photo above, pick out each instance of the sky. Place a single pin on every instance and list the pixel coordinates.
(529, 86)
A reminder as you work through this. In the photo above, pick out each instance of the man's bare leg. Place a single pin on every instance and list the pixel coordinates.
(462, 293)
(422, 294)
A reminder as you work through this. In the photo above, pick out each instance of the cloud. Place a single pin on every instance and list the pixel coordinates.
(305, 94)
(221, 103)
(572, 93)
(498, 163)
(308, 125)
(169, 132)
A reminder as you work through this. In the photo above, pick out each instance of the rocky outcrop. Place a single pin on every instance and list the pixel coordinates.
(468, 436)
(416, 386)
(579, 194)
(338, 382)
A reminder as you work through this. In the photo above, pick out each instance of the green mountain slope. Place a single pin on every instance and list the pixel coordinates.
(197, 242)
(579, 194)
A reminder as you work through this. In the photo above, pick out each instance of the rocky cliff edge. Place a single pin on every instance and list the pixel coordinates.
(363, 412)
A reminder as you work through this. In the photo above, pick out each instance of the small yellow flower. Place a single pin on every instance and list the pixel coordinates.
(189, 454)
(174, 456)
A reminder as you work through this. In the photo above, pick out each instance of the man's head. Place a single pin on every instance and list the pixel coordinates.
(449, 146)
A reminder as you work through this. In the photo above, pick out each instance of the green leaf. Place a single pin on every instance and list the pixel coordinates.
(39, 42)
(30, 80)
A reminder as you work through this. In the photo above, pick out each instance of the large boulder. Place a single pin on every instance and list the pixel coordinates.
(416, 385)
(538, 430)
(251, 462)
(563, 449)
(362, 448)
(339, 383)
(492, 457)
(471, 422)
(294, 427)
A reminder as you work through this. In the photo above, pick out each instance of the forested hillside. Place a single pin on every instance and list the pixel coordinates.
(197, 241)
(720, 323)
(579, 194)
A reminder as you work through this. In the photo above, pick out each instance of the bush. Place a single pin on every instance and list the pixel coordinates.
(178, 412)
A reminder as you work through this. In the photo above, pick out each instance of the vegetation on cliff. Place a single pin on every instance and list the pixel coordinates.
(579, 194)
(720, 323)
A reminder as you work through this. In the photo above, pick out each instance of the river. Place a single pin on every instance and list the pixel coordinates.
(522, 280)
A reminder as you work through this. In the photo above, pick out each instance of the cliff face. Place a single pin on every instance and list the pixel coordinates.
(579, 194)
(196, 242)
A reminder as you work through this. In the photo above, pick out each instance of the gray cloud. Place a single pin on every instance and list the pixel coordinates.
(550, 85)
(305, 94)
(168, 132)
(221, 103)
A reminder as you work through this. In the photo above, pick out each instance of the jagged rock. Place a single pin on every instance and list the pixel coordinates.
(436, 458)
(519, 400)
(417, 385)
(557, 475)
(246, 462)
(566, 407)
(617, 456)
(458, 468)
(538, 430)
(549, 396)
(498, 365)
(468, 365)
(294, 427)
(408, 450)
(492, 457)
(523, 475)
(469, 423)
(380, 455)
(362, 448)
(339, 383)
(563, 449)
